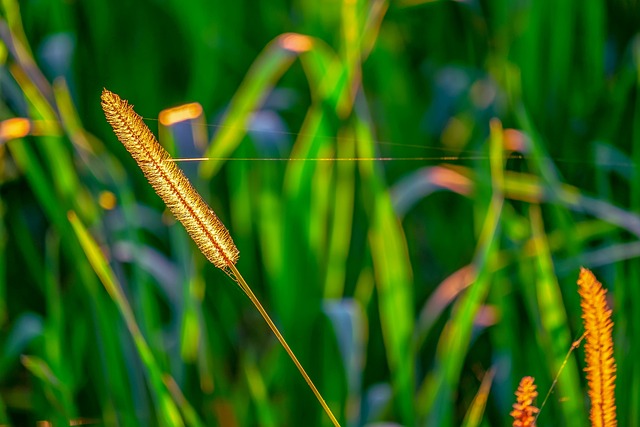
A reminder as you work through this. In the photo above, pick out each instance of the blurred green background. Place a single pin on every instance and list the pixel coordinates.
(416, 291)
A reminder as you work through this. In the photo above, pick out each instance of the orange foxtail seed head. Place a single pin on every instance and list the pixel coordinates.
(601, 366)
(524, 412)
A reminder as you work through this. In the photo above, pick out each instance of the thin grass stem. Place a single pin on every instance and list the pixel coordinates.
(237, 277)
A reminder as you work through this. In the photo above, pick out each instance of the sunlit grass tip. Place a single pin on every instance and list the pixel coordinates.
(601, 366)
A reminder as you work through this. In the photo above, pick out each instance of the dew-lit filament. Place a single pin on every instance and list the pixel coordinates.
(516, 145)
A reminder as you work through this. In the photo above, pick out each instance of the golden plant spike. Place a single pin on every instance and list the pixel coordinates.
(202, 224)
(524, 412)
(601, 366)
(186, 204)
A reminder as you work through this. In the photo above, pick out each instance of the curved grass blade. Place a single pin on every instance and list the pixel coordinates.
(436, 393)
(266, 70)
(167, 410)
(554, 333)
(393, 279)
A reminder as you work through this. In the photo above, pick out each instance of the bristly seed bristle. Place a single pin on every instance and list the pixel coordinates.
(168, 180)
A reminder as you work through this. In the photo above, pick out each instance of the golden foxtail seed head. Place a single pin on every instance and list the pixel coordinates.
(168, 180)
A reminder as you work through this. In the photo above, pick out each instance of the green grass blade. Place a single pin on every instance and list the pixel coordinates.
(393, 279)
(437, 393)
(167, 410)
(627, 294)
(56, 391)
(267, 69)
(342, 218)
(473, 418)
(265, 415)
(555, 334)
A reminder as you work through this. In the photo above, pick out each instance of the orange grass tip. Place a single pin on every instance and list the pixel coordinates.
(181, 113)
(601, 366)
(14, 128)
(168, 180)
(297, 43)
(524, 412)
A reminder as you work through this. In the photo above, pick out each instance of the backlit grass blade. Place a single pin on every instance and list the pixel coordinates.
(555, 334)
(54, 331)
(258, 391)
(191, 331)
(266, 70)
(56, 161)
(56, 391)
(168, 412)
(115, 393)
(532, 189)
(189, 413)
(84, 142)
(393, 278)
(310, 197)
(475, 414)
(341, 226)
(3, 264)
(437, 392)
(350, 53)
(628, 297)
(53, 146)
